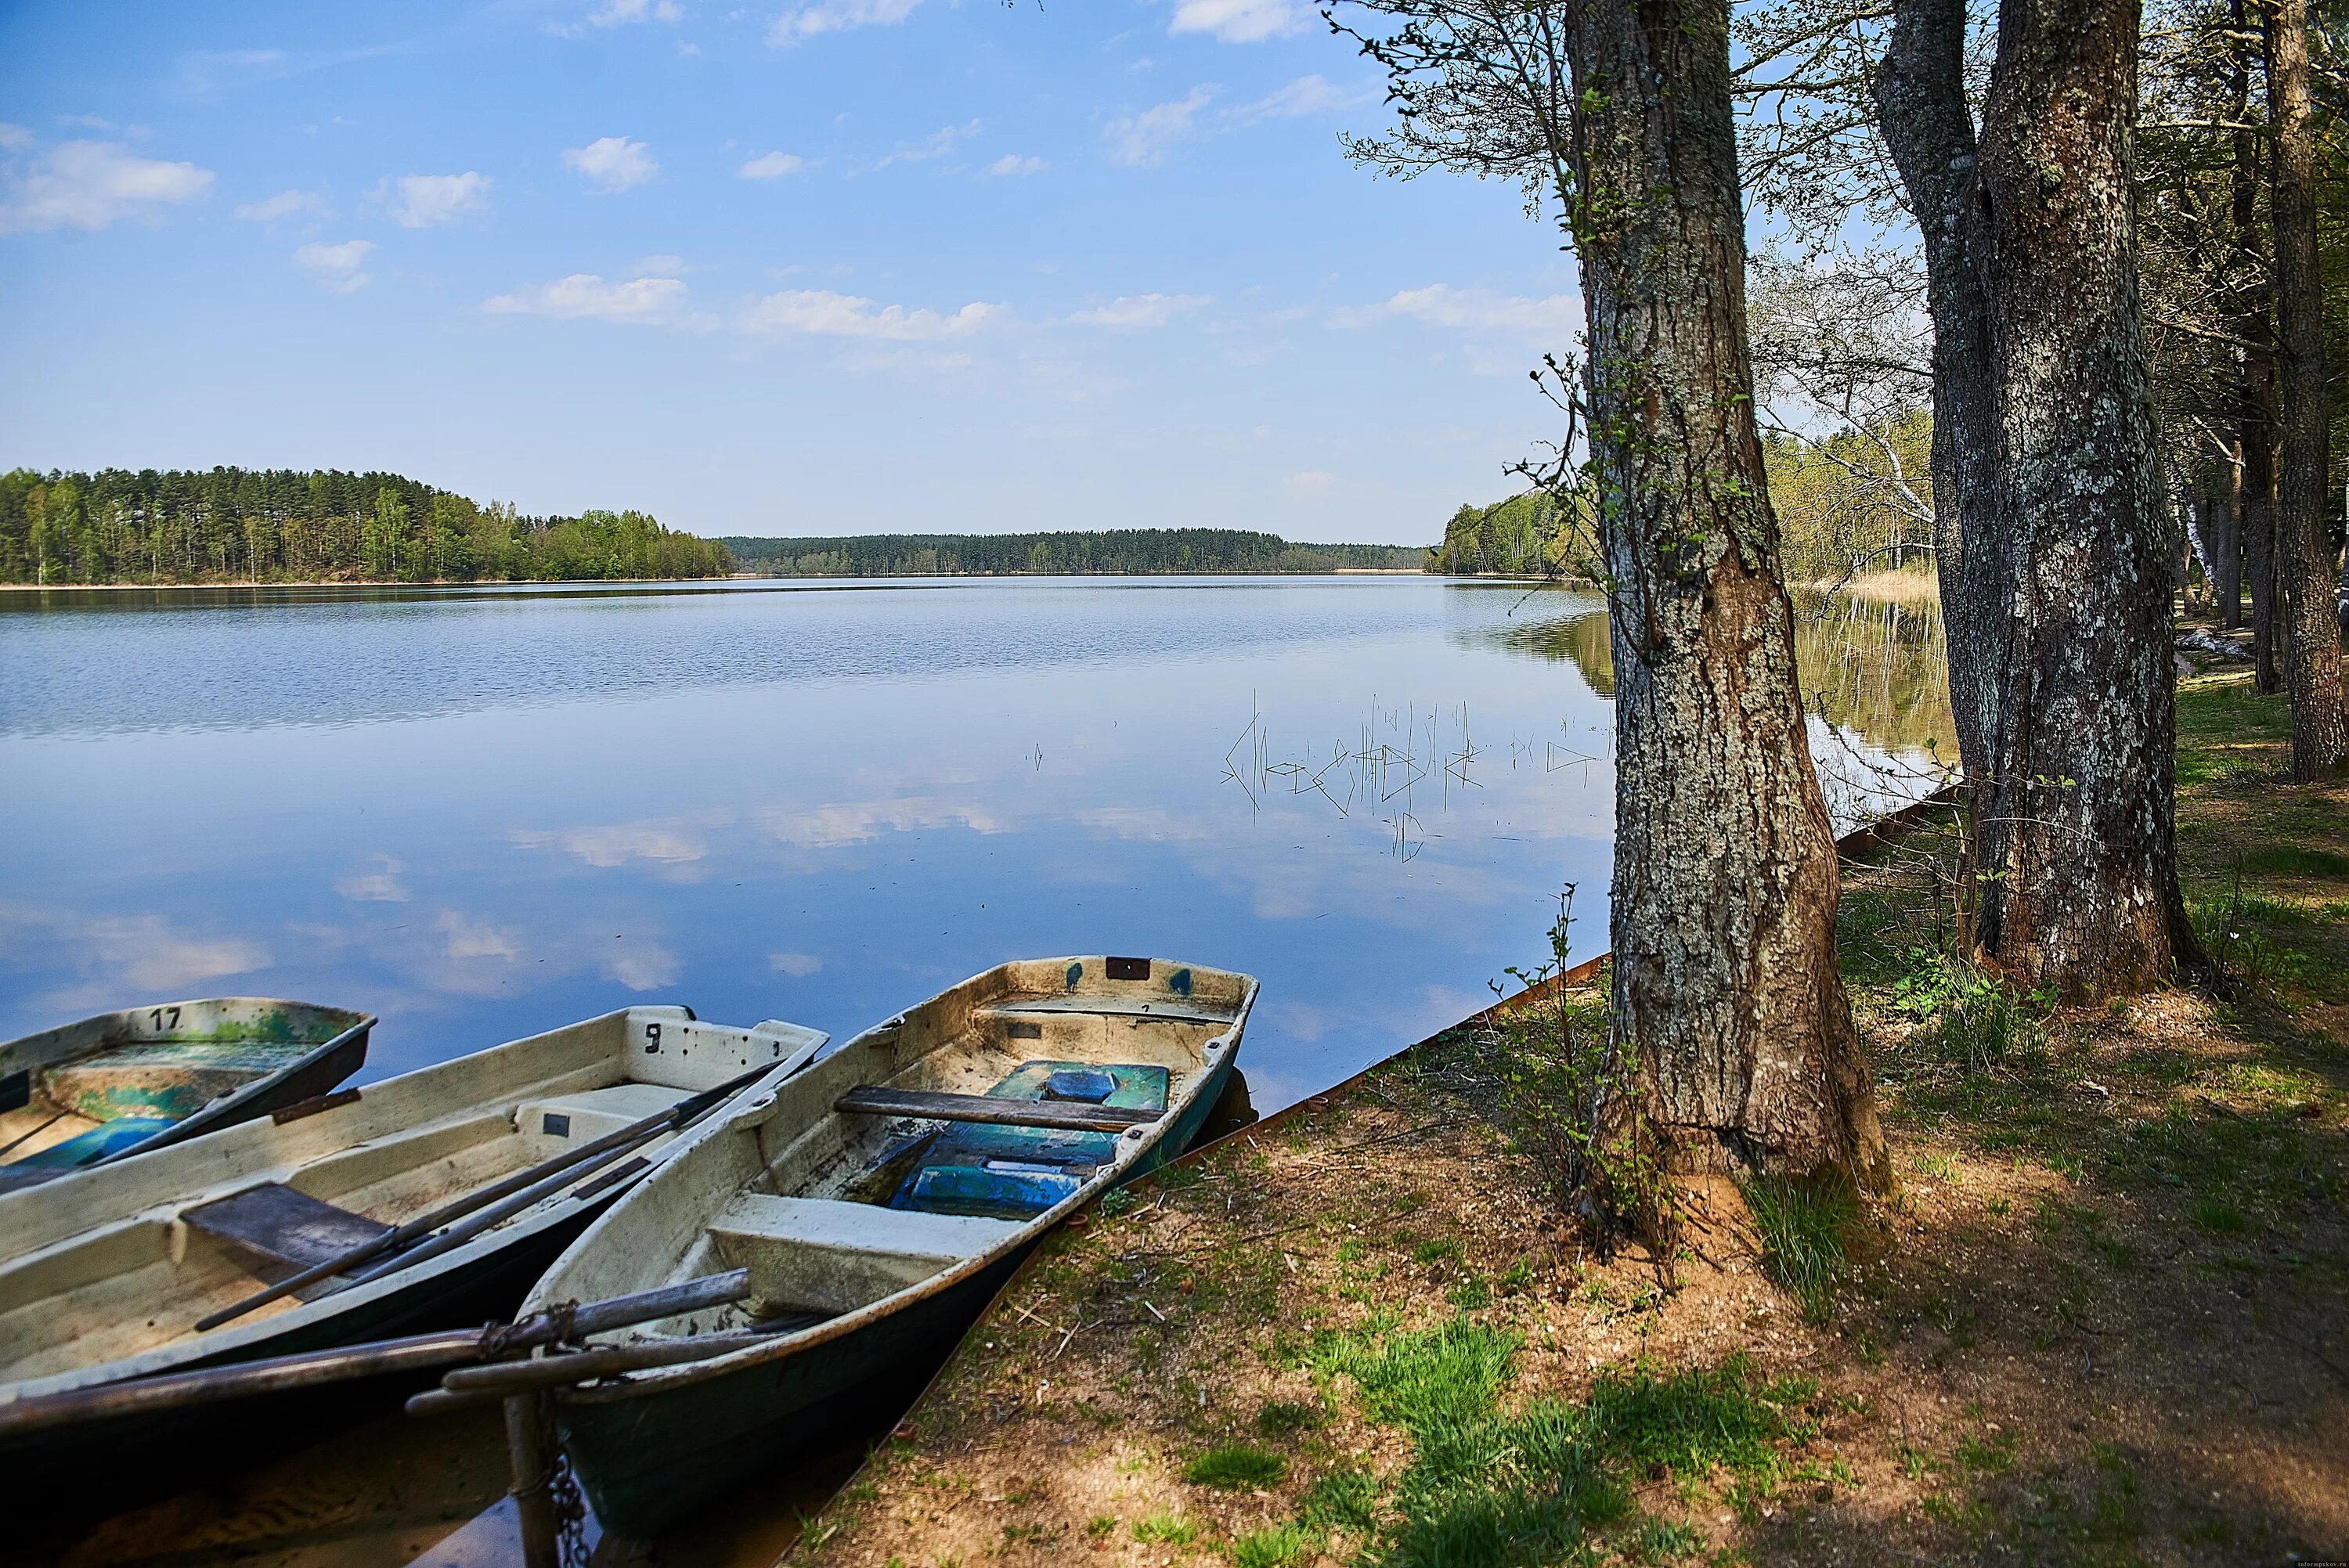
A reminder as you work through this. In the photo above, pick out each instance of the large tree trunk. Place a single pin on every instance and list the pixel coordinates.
(1723, 905)
(2078, 881)
(2255, 376)
(1922, 112)
(2303, 544)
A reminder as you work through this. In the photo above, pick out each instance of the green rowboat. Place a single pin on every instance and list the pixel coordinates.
(124, 1083)
(879, 1198)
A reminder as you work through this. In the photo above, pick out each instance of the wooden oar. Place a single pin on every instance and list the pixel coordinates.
(539, 1179)
(466, 1387)
(147, 1396)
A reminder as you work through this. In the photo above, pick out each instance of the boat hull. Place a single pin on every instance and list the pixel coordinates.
(106, 1464)
(648, 1461)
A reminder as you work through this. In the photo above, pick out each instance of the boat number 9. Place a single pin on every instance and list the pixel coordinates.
(155, 1015)
(652, 1040)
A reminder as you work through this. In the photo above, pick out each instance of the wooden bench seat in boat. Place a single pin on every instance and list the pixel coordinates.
(274, 1229)
(822, 1252)
(1168, 1009)
(569, 1119)
(1074, 1115)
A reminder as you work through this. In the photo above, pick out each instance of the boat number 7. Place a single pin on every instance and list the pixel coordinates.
(155, 1016)
(652, 1040)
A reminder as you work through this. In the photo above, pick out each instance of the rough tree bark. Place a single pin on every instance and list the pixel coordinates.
(2255, 374)
(1723, 905)
(2078, 878)
(2302, 554)
(1922, 112)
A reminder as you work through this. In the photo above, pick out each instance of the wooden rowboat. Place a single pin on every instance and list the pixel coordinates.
(124, 1083)
(115, 1273)
(878, 1199)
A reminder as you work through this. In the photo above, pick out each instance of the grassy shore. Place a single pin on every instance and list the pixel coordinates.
(2101, 1324)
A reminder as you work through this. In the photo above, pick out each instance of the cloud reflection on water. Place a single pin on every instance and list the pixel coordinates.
(782, 805)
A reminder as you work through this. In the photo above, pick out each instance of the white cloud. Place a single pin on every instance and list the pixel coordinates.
(613, 162)
(1307, 94)
(424, 201)
(91, 184)
(150, 956)
(1240, 20)
(797, 964)
(285, 204)
(617, 12)
(1013, 164)
(647, 966)
(660, 266)
(772, 166)
(1141, 140)
(1312, 481)
(380, 886)
(1441, 305)
(833, 16)
(466, 937)
(937, 144)
(1135, 311)
(832, 827)
(335, 268)
(820, 313)
(14, 138)
(115, 954)
(583, 296)
(664, 843)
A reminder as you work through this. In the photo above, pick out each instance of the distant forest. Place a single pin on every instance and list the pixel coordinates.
(276, 525)
(1140, 550)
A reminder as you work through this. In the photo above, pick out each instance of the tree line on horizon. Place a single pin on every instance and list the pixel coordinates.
(279, 525)
(1074, 553)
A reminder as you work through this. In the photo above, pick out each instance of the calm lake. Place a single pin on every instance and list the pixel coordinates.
(480, 813)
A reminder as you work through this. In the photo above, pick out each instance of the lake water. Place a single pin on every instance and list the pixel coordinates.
(480, 813)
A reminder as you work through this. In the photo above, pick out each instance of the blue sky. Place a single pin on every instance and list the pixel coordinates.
(854, 265)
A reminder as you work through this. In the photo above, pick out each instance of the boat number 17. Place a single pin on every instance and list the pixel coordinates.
(158, 1015)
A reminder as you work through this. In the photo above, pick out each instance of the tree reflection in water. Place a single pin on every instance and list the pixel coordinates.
(1875, 674)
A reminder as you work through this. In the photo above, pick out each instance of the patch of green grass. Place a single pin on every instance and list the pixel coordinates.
(2221, 1217)
(1665, 1540)
(2226, 924)
(1442, 1250)
(1279, 1417)
(1166, 1529)
(1470, 1293)
(1989, 1454)
(1345, 1497)
(1489, 1488)
(1803, 1226)
(1274, 1546)
(1236, 1467)
(1101, 1527)
(2294, 860)
(1970, 1018)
